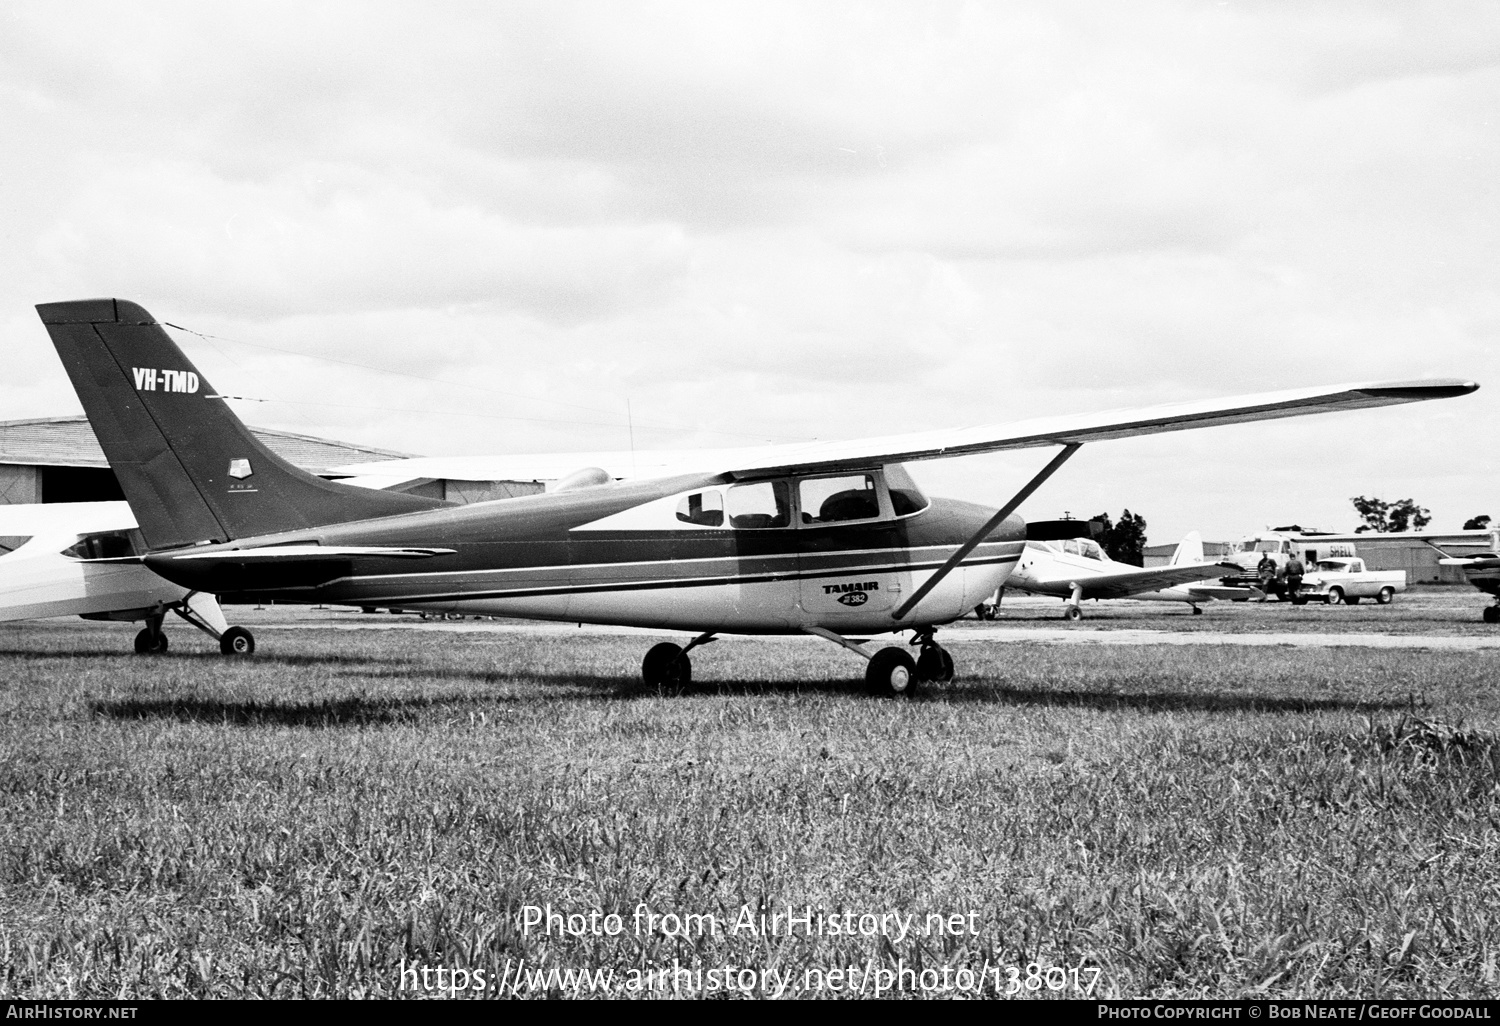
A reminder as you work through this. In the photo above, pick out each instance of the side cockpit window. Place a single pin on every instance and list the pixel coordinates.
(833, 500)
(107, 545)
(706, 509)
(759, 504)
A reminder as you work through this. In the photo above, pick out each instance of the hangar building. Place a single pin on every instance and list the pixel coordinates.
(1403, 551)
(58, 459)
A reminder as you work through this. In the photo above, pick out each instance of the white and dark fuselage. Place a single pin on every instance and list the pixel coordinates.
(768, 555)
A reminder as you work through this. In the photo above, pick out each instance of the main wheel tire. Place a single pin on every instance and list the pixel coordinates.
(1300, 600)
(1335, 597)
(1384, 596)
(935, 664)
(666, 668)
(237, 641)
(1492, 614)
(891, 673)
(1072, 613)
(149, 642)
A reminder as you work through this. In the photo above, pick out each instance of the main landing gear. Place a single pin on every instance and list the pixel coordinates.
(892, 672)
(203, 612)
(1073, 610)
(667, 667)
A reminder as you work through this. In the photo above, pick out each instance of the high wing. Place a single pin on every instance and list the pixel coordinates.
(1133, 582)
(804, 457)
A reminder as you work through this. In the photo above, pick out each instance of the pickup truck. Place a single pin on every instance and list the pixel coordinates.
(1336, 581)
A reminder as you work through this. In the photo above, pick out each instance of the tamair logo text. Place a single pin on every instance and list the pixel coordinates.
(149, 379)
(855, 594)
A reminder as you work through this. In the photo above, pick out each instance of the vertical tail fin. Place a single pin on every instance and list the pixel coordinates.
(1189, 550)
(190, 468)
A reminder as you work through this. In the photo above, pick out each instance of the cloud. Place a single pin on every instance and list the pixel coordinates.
(785, 220)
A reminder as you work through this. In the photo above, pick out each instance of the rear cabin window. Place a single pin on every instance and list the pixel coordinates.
(759, 504)
(106, 545)
(836, 500)
(11, 542)
(706, 509)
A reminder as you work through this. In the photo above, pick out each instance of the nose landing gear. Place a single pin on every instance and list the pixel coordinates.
(933, 662)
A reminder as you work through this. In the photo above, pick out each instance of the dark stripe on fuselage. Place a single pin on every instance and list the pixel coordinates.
(538, 534)
(394, 594)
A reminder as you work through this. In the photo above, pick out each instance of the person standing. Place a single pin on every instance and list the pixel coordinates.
(1294, 573)
(1265, 570)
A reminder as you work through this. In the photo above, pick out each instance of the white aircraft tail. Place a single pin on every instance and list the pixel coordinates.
(1189, 550)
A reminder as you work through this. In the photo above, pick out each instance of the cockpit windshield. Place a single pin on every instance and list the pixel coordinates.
(1084, 547)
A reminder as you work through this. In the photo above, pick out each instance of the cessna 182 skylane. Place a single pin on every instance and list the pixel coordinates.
(826, 538)
(1075, 568)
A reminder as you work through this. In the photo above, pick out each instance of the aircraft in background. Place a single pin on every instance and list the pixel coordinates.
(1062, 559)
(84, 559)
(1483, 571)
(832, 539)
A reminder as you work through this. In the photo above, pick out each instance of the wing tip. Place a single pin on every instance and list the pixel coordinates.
(1415, 391)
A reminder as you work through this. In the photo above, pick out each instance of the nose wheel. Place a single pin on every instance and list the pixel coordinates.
(933, 661)
(892, 673)
(237, 641)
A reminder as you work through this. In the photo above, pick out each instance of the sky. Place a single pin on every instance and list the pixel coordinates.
(452, 229)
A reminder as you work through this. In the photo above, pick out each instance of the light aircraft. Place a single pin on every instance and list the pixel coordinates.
(1068, 564)
(832, 539)
(1483, 571)
(84, 559)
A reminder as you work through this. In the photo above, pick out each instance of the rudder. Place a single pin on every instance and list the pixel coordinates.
(189, 467)
(1189, 550)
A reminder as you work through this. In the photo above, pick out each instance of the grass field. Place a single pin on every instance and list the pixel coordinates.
(1212, 821)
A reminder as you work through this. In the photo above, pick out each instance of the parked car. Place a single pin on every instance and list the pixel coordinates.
(1337, 581)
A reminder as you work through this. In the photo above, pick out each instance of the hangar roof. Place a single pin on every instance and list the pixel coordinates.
(70, 442)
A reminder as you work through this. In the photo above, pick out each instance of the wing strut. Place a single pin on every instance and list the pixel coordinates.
(989, 525)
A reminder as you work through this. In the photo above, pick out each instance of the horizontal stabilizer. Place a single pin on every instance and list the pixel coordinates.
(290, 553)
(1472, 562)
